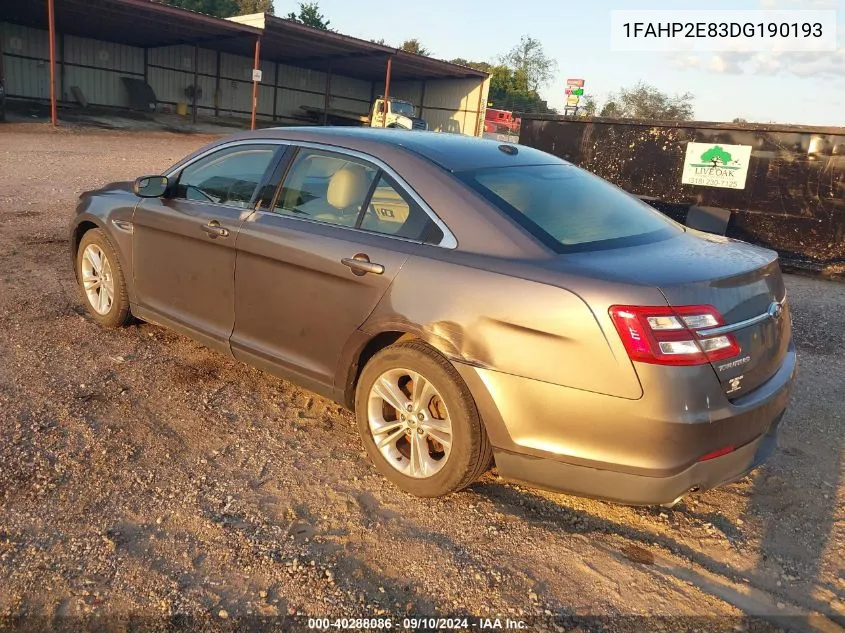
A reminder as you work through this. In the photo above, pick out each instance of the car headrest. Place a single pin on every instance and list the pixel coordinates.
(347, 187)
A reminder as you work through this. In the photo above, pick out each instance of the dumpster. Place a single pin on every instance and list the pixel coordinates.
(779, 186)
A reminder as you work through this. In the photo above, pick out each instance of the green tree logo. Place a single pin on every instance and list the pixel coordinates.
(716, 155)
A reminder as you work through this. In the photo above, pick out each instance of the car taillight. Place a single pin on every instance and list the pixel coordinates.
(665, 335)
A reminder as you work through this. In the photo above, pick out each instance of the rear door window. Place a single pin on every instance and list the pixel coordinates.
(570, 209)
(342, 190)
(326, 187)
(392, 212)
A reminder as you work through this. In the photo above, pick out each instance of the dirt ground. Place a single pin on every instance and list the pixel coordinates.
(144, 476)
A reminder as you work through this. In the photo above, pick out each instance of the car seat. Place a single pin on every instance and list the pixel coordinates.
(345, 194)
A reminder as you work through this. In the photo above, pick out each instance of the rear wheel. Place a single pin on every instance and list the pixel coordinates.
(419, 422)
(101, 280)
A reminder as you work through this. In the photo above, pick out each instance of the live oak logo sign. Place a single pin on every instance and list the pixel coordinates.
(710, 165)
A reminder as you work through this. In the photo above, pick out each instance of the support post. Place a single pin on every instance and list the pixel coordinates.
(422, 100)
(328, 96)
(196, 81)
(62, 71)
(217, 92)
(479, 122)
(276, 92)
(51, 18)
(387, 89)
(255, 66)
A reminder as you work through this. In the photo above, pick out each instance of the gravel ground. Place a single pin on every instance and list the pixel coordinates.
(142, 475)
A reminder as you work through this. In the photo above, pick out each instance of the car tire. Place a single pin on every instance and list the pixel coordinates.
(445, 400)
(109, 311)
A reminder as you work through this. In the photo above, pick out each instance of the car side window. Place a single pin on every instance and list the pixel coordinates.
(392, 211)
(325, 187)
(229, 176)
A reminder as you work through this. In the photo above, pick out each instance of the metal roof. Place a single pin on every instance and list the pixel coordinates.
(299, 45)
(140, 23)
(150, 24)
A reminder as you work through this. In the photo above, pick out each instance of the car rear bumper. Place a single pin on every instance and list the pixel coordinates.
(644, 452)
(631, 489)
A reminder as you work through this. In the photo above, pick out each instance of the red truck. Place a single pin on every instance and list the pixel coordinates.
(501, 122)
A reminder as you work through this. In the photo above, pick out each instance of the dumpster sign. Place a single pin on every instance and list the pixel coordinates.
(712, 165)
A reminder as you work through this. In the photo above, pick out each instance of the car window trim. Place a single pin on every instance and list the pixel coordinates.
(449, 241)
(384, 176)
(266, 176)
(368, 199)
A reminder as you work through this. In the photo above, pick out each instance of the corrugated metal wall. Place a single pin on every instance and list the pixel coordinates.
(96, 68)
(24, 52)
(450, 105)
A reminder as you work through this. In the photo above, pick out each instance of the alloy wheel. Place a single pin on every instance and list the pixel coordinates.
(409, 423)
(97, 279)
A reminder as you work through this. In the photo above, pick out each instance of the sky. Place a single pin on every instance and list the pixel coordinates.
(802, 88)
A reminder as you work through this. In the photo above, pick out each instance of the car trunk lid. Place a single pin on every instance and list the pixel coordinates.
(743, 282)
(753, 305)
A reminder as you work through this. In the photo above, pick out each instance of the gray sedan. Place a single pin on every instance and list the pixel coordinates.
(474, 303)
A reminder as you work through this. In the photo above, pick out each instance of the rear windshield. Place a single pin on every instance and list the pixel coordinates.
(570, 209)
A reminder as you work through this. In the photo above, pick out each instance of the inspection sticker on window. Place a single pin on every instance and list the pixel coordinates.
(716, 165)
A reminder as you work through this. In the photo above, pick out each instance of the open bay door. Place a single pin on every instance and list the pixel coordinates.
(450, 105)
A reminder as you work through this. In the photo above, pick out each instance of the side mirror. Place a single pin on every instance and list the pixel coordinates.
(151, 186)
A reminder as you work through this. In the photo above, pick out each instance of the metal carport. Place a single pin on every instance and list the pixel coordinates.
(166, 45)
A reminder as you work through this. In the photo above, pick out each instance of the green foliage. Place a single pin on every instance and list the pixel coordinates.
(414, 46)
(716, 155)
(224, 8)
(532, 68)
(644, 101)
(309, 15)
(588, 106)
(515, 79)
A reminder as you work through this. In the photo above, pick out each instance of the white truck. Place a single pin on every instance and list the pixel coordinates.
(398, 114)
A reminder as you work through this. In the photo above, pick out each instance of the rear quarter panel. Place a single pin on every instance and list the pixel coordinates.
(506, 321)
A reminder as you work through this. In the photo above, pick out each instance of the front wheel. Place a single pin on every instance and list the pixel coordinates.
(419, 422)
(101, 280)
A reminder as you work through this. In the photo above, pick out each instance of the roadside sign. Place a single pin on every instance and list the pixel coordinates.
(257, 75)
(572, 100)
(716, 165)
(575, 82)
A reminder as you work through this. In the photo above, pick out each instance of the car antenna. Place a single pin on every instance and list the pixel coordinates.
(510, 150)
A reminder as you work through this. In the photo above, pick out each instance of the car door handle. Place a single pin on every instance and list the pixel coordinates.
(214, 229)
(361, 265)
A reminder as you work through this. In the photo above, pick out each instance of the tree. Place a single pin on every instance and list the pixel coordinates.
(588, 106)
(716, 155)
(380, 42)
(531, 67)
(739, 119)
(644, 101)
(224, 8)
(246, 7)
(218, 8)
(610, 110)
(482, 66)
(309, 15)
(414, 46)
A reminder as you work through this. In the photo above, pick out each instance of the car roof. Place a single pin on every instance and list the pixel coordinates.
(453, 152)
